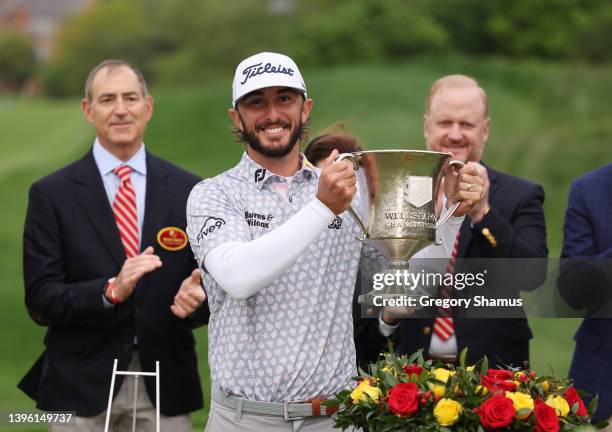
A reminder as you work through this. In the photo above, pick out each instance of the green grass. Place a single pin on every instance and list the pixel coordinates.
(550, 123)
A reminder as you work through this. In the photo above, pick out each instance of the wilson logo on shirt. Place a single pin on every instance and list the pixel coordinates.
(336, 224)
(259, 220)
(211, 224)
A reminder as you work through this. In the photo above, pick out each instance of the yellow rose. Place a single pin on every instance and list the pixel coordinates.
(545, 385)
(390, 370)
(520, 376)
(481, 390)
(447, 412)
(520, 401)
(443, 375)
(364, 388)
(559, 404)
(437, 389)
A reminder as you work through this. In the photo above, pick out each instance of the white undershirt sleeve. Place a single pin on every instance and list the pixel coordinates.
(244, 268)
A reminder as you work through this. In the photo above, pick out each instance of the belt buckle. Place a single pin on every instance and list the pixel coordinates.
(286, 415)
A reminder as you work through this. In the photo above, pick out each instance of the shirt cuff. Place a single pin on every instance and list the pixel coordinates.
(386, 329)
(322, 210)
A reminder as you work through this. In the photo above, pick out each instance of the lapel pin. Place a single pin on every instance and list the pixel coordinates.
(172, 238)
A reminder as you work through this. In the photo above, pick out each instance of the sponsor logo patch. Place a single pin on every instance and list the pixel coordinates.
(172, 238)
(258, 69)
(336, 223)
(259, 220)
(260, 174)
(211, 224)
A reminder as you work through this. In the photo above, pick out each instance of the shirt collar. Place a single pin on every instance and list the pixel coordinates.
(259, 175)
(106, 161)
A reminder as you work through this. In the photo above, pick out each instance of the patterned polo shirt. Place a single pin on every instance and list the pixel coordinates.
(293, 340)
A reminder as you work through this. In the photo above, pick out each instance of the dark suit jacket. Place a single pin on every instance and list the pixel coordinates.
(516, 220)
(587, 233)
(71, 248)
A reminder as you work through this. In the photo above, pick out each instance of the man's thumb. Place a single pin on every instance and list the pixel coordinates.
(195, 276)
(330, 159)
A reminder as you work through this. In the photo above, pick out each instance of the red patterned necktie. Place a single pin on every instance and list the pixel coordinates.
(124, 209)
(443, 325)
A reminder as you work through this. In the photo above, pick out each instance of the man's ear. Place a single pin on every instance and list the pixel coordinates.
(425, 126)
(149, 106)
(86, 107)
(306, 108)
(487, 128)
(233, 113)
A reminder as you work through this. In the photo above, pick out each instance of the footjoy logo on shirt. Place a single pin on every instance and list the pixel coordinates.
(258, 69)
(260, 174)
(336, 224)
(260, 220)
(211, 224)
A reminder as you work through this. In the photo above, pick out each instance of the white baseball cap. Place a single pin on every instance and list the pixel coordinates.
(263, 70)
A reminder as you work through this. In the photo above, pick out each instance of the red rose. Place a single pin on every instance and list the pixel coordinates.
(546, 419)
(571, 396)
(404, 399)
(500, 374)
(498, 381)
(413, 369)
(496, 412)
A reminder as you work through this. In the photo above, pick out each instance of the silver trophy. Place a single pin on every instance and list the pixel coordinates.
(398, 204)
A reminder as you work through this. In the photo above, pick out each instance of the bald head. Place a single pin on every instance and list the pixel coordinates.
(456, 82)
(456, 118)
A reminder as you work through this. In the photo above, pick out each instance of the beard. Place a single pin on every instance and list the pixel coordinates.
(251, 139)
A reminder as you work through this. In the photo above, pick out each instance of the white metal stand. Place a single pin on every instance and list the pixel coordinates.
(136, 375)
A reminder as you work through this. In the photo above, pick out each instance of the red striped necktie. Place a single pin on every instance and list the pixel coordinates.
(444, 326)
(124, 209)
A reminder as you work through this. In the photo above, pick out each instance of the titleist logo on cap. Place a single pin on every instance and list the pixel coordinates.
(258, 69)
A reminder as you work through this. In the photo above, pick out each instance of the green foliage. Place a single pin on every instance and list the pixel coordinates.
(203, 38)
(17, 62)
(110, 29)
(196, 41)
(356, 31)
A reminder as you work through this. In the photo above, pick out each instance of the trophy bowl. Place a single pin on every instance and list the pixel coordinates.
(397, 210)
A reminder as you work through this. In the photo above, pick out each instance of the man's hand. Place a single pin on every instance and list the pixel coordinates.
(337, 184)
(133, 269)
(466, 186)
(482, 207)
(190, 296)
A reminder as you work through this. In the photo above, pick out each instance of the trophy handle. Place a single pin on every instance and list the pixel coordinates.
(442, 221)
(351, 210)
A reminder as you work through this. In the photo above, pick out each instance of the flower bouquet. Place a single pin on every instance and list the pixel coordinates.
(409, 393)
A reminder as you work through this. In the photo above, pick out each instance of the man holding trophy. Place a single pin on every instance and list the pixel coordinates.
(507, 223)
(279, 256)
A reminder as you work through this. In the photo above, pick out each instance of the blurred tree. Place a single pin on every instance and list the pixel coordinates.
(109, 29)
(17, 60)
(594, 34)
(199, 39)
(356, 31)
(193, 41)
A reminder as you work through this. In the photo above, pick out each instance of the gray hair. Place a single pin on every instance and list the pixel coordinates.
(113, 64)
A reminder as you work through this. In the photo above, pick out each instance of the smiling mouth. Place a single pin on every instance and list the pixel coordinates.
(273, 130)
